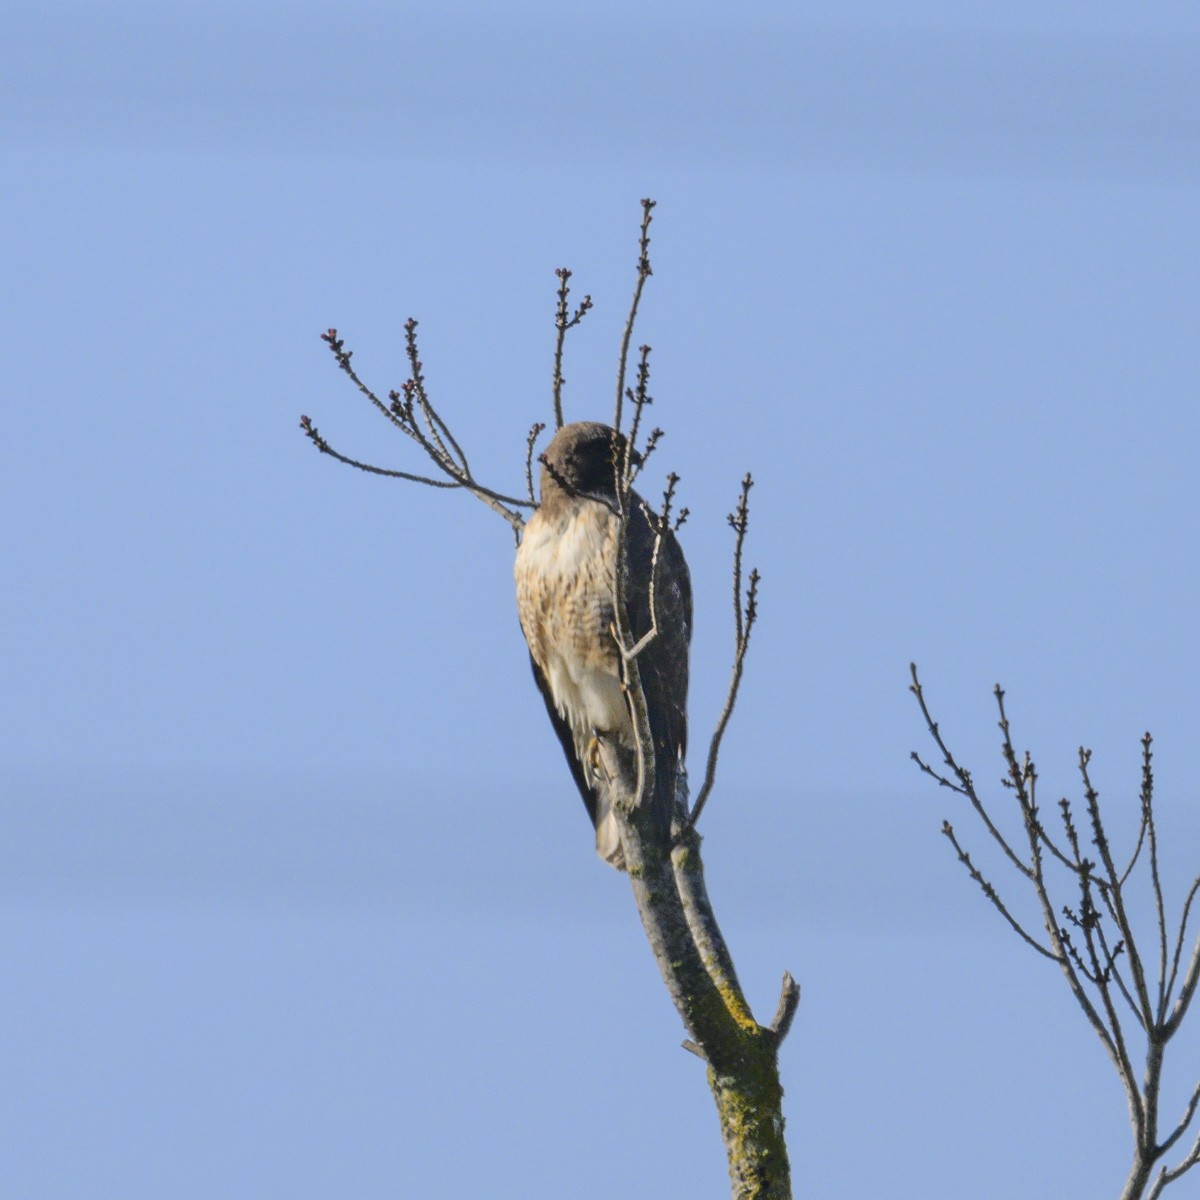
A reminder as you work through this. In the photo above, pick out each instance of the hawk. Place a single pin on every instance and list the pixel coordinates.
(564, 575)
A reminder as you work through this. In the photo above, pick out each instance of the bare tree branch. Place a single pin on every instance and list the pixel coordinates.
(789, 1001)
(1187, 989)
(310, 431)
(1100, 840)
(990, 892)
(966, 785)
(1160, 911)
(1188, 1113)
(1089, 959)
(563, 322)
(429, 432)
(662, 524)
(643, 273)
(1113, 971)
(535, 429)
(640, 397)
(745, 613)
(1169, 1175)
(434, 423)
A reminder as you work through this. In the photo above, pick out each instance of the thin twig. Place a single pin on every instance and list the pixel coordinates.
(1188, 1113)
(1169, 1175)
(342, 356)
(966, 785)
(1147, 797)
(1059, 943)
(1100, 839)
(640, 396)
(1181, 940)
(662, 529)
(535, 429)
(436, 425)
(990, 892)
(563, 322)
(643, 273)
(439, 444)
(745, 613)
(1114, 972)
(1187, 990)
(639, 462)
(310, 431)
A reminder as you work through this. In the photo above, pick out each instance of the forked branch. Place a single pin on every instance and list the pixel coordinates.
(411, 411)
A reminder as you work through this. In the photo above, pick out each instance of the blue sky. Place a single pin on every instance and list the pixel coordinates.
(297, 899)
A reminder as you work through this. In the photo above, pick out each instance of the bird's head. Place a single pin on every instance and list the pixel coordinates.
(582, 460)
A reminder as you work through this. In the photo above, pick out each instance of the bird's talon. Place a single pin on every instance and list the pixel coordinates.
(595, 759)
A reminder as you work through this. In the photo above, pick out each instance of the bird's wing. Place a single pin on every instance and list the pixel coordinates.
(567, 738)
(663, 664)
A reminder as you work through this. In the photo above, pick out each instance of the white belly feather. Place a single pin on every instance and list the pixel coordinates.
(564, 598)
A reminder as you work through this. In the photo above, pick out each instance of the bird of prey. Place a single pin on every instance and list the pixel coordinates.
(564, 574)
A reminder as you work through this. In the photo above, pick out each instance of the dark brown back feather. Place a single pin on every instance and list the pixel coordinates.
(663, 664)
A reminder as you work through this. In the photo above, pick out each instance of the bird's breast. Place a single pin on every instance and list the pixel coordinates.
(564, 574)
